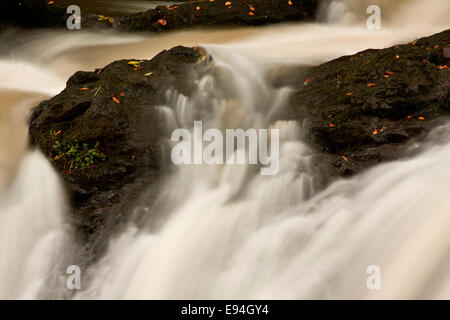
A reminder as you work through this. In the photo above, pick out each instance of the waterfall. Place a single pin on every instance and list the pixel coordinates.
(32, 231)
(225, 231)
(230, 233)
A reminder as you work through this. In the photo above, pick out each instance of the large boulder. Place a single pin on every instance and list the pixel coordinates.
(363, 109)
(220, 13)
(104, 132)
(44, 13)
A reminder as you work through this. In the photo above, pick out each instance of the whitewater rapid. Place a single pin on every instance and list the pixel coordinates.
(225, 231)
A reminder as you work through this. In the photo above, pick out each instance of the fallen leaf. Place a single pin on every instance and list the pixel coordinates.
(345, 158)
(421, 118)
(386, 76)
(308, 80)
(375, 132)
(409, 117)
(397, 57)
(148, 74)
(122, 94)
(83, 89)
(442, 67)
(251, 8)
(57, 132)
(251, 13)
(290, 2)
(331, 125)
(349, 93)
(50, 2)
(371, 84)
(198, 8)
(116, 100)
(388, 72)
(162, 22)
(56, 157)
(436, 46)
(227, 3)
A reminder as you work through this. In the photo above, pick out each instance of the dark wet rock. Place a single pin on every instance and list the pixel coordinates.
(107, 138)
(39, 13)
(31, 13)
(363, 109)
(219, 13)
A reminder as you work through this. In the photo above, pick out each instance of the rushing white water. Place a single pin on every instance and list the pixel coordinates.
(32, 232)
(226, 231)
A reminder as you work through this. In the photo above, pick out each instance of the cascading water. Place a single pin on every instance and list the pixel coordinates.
(224, 231)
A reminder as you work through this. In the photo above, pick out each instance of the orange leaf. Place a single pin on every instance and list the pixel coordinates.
(375, 132)
(442, 67)
(83, 89)
(198, 8)
(409, 117)
(251, 13)
(251, 8)
(349, 93)
(371, 84)
(388, 72)
(397, 57)
(307, 81)
(436, 46)
(116, 100)
(162, 22)
(227, 3)
(122, 94)
(57, 132)
(345, 158)
(56, 157)
(421, 118)
(331, 125)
